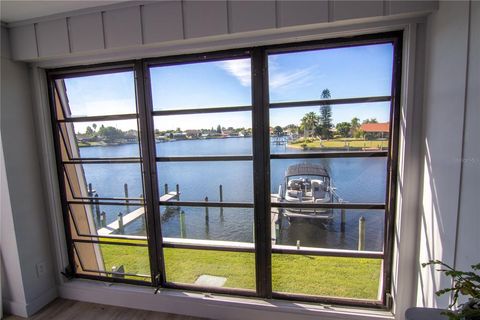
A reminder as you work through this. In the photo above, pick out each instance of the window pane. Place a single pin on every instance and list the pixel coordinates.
(329, 180)
(357, 278)
(227, 133)
(207, 268)
(99, 95)
(197, 180)
(217, 225)
(329, 228)
(96, 219)
(129, 262)
(349, 72)
(352, 127)
(106, 180)
(202, 85)
(106, 139)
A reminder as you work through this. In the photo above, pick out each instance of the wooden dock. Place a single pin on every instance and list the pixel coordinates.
(274, 226)
(115, 226)
(127, 219)
(172, 195)
(132, 216)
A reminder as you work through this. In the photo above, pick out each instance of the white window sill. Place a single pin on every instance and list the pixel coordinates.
(208, 305)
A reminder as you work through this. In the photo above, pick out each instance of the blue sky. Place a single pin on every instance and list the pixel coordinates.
(346, 72)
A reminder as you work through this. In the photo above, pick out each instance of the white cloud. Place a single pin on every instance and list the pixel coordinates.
(279, 80)
(240, 69)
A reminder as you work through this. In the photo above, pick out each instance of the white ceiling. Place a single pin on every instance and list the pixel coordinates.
(18, 10)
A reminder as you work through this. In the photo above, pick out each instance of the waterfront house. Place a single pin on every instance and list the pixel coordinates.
(375, 130)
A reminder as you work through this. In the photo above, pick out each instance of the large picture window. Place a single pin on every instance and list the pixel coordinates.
(265, 172)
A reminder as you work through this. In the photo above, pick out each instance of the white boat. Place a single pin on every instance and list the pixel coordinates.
(307, 183)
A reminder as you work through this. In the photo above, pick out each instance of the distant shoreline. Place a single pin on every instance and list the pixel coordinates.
(118, 143)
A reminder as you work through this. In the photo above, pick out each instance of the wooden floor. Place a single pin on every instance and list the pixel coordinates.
(62, 309)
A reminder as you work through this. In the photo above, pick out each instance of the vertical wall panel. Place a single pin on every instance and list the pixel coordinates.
(399, 7)
(205, 18)
(468, 237)
(122, 27)
(23, 42)
(86, 32)
(162, 21)
(251, 15)
(293, 13)
(52, 38)
(343, 10)
(444, 101)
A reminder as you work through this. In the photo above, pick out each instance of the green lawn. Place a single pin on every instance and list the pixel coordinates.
(339, 143)
(327, 276)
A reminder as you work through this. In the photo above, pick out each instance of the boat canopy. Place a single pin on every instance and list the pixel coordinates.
(306, 169)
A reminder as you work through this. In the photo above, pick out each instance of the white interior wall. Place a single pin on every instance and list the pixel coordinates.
(12, 293)
(449, 222)
(468, 237)
(25, 235)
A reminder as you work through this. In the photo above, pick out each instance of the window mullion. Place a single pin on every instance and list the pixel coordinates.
(147, 141)
(261, 173)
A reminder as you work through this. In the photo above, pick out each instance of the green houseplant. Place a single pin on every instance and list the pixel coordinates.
(465, 283)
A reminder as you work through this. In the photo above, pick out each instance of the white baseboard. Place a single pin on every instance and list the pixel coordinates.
(28, 309)
(14, 308)
(41, 301)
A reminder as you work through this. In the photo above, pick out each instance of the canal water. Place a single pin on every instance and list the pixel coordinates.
(356, 180)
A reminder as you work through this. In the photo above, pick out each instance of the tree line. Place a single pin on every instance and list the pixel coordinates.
(321, 125)
(108, 133)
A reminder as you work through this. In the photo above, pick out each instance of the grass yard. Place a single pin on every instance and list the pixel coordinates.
(339, 143)
(326, 276)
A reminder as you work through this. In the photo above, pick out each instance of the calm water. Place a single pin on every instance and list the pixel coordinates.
(356, 180)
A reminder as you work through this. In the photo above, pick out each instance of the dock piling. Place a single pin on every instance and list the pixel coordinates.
(177, 188)
(207, 224)
(206, 210)
(166, 188)
(361, 233)
(277, 231)
(342, 223)
(220, 191)
(97, 209)
(120, 223)
(183, 230)
(125, 190)
(103, 219)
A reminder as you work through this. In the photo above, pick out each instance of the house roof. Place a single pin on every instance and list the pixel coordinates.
(376, 127)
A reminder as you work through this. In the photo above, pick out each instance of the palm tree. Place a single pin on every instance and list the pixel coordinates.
(309, 121)
(325, 116)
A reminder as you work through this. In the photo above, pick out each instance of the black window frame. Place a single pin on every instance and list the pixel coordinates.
(260, 156)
